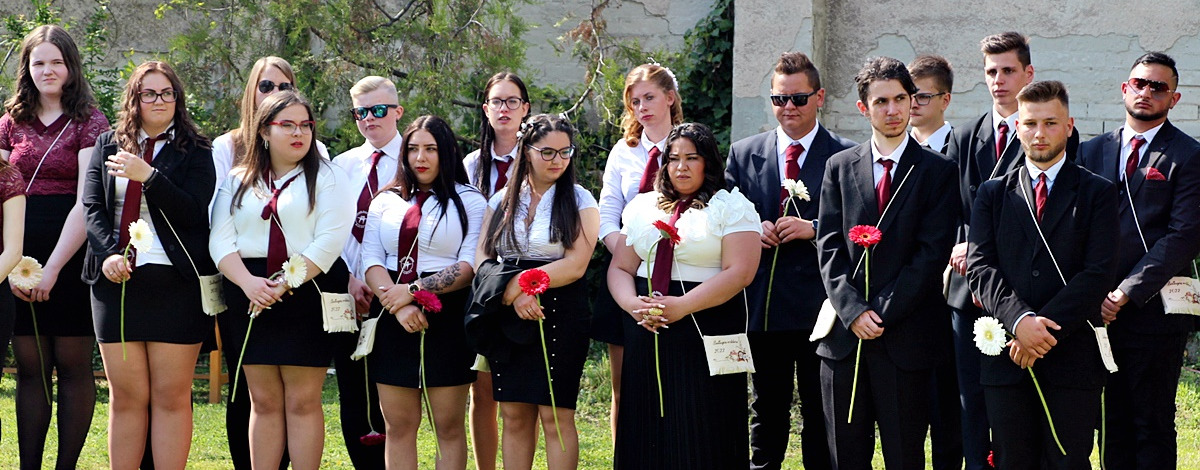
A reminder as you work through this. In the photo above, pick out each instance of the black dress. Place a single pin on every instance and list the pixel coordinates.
(704, 424)
(396, 358)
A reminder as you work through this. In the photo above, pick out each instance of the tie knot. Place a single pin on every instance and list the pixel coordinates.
(793, 152)
(422, 196)
(887, 164)
(654, 152)
(1002, 127)
(376, 156)
(1137, 141)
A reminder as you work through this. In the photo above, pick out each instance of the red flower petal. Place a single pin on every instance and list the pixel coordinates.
(992, 459)
(865, 235)
(428, 301)
(667, 232)
(534, 281)
(372, 439)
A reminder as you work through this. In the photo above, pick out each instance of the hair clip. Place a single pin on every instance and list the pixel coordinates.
(674, 81)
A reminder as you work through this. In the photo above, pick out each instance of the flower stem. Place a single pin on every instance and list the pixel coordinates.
(428, 404)
(770, 286)
(37, 338)
(124, 353)
(658, 376)
(367, 382)
(549, 380)
(858, 352)
(237, 373)
(1050, 420)
(1103, 426)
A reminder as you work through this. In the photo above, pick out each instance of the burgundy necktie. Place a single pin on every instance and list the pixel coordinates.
(1002, 140)
(1040, 192)
(501, 174)
(651, 171)
(1131, 164)
(791, 171)
(409, 228)
(883, 190)
(364, 197)
(664, 254)
(131, 210)
(276, 243)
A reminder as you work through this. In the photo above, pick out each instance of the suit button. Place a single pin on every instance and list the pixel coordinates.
(1035, 273)
(972, 188)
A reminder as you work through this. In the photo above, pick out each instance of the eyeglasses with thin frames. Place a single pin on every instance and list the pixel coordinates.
(548, 153)
(306, 127)
(510, 103)
(923, 99)
(168, 96)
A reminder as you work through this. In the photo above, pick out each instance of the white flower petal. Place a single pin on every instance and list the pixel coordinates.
(26, 274)
(989, 335)
(140, 235)
(294, 271)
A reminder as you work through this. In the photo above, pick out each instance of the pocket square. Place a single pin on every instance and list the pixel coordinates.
(1153, 174)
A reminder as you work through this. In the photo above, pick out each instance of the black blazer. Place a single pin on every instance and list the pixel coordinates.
(906, 266)
(1169, 213)
(753, 167)
(973, 148)
(1011, 272)
(182, 190)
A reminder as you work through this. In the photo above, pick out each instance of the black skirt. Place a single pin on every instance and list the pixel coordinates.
(7, 314)
(606, 315)
(69, 310)
(160, 305)
(522, 376)
(704, 424)
(291, 332)
(396, 357)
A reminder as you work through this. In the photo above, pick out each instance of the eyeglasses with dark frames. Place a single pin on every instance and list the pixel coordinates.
(798, 99)
(267, 86)
(306, 127)
(379, 111)
(548, 153)
(147, 96)
(510, 103)
(924, 98)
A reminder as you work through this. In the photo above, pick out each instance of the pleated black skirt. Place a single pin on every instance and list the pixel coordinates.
(69, 310)
(704, 423)
(396, 357)
(160, 305)
(291, 332)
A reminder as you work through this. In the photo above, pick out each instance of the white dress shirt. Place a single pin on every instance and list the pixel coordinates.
(317, 235)
(156, 254)
(937, 141)
(356, 164)
(440, 238)
(622, 175)
(877, 168)
(782, 142)
(535, 241)
(471, 163)
(1034, 174)
(698, 254)
(1127, 135)
(1012, 127)
(222, 155)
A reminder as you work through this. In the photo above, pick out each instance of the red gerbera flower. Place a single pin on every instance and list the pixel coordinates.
(534, 281)
(428, 301)
(992, 459)
(372, 439)
(865, 236)
(668, 232)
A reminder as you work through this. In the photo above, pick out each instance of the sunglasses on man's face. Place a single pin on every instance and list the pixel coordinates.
(379, 111)
(267, 86)
(797, 99)
(1156, 87)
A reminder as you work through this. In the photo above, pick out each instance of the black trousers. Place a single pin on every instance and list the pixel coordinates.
(945, 417)
(782, 360)
(1021, 434)
(1140, 403)
(895, 399)
(355, 398)
(976, 437)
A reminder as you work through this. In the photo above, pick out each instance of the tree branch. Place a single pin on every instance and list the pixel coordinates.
(346, 57)
(391, 19)
(471, 20)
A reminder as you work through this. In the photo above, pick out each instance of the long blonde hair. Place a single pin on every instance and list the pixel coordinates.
(657, 75)
(247, 107)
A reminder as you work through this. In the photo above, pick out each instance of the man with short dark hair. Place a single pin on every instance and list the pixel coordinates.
(1040, 260)
(935, 81)
(1157, 171)
(779, 331)
(879, 353)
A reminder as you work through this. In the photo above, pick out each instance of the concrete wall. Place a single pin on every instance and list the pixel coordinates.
(1086, 44)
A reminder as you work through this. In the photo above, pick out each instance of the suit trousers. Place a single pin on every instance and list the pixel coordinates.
(945, 417)
(1140, 403)
(779, 358)
(895, 399)
(976, 440)
(1022, 436)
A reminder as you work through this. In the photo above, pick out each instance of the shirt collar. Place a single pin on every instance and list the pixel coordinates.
(937, 136)
(1127, 134)
(508, 157)
(646, 143)
(782, 141)
(392, 148)
(1010, 119)
(896, 154)
(142, 135)
(1051, 173)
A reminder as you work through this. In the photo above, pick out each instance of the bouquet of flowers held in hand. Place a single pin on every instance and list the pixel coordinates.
(865, 236)
(533, 283)
(293, 273)
(429, 303)
(796, 190)
(991, 339)
(27, 275)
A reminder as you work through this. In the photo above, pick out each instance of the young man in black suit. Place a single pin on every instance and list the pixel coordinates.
(1041, 259)
(892, 183)
(779, 332)
(1162, 182)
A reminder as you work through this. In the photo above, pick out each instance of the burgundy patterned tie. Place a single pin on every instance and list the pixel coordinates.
(276, 243)
(364, 197)
(406, 247)
(132, 208)
(651, 171)
(1002, 140)
(1131, 164)
(501, 174)
(1040, 193)
(664, 254)
(883, 190)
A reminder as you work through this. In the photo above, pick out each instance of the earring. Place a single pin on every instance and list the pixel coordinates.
(266, 145)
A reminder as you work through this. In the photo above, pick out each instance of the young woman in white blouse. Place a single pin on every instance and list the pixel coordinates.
(431, 246)
(652, 107)
(283, 199)
(540, 219)
(702, 423)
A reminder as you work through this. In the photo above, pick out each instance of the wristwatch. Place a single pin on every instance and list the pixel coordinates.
(814, 224)
(413, 288)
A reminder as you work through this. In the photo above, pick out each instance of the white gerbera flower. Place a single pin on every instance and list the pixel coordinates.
(140, 235)
(27, 274)
(294, 271)
(989, 336)
(797, 189)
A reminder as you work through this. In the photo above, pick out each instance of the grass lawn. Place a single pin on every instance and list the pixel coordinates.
(209, 450)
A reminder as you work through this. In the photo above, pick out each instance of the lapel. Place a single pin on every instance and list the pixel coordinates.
(1061, 198)
(768, 171)
(813, 170)
(1020, 195)
(1154, 154)
(864, 180)
(1110, 154)
(984, 153)
(1013, 157)
(900, 190)
(165, 162)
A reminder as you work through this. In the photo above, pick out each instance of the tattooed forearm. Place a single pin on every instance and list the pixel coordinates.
(439, 281)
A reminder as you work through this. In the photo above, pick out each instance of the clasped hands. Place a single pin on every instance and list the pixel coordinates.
(657, 311)
(784, 230)
(262, 292)
(1033, 340)
(398, 301)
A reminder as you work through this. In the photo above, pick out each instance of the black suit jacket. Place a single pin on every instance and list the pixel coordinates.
(182, 190)
(1169, 213)
(906, 266)
(973, 148)
(1011, 272)
(753, 167)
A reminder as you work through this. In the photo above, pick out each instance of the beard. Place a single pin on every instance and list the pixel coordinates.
(1145, 116)
(1046, 156)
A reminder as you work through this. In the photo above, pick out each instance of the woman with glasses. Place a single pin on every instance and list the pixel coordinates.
(282, 201)
(701, 422)
(543, 220)
(48, 133)
(504, 109)
(652, 107)
(428, 219)
(146, 305)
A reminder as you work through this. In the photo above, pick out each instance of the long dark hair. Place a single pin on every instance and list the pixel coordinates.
(77, 98)
(487, 134)
(129, 119)
(257, 163)
(450, 167)
(714, 168)
(564, 216)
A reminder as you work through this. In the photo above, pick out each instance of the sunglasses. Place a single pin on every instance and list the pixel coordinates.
(379, 111)
(1156, 87)
(267, 86)
(798, 99)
